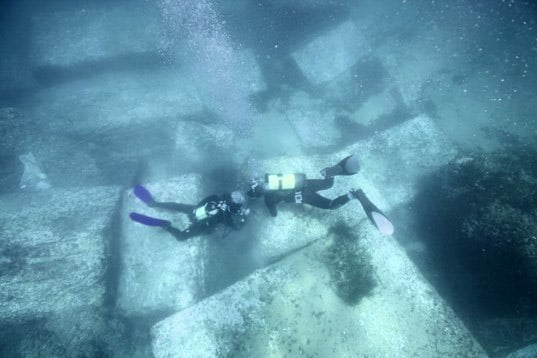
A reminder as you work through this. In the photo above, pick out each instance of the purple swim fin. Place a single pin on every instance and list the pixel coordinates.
(143, 194)
(148, 221)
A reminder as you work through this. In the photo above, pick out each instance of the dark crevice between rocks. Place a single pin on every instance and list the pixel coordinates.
(477, 218)
(47, 76)
(12, 335)
(132, 334)
(113, 257)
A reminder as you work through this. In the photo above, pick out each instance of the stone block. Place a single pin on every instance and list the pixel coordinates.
(159, 274)
(312, 121)
(292, 308)
(111, 101)
(54, 250)
(94, 33)
(331, 54)
(395, 160)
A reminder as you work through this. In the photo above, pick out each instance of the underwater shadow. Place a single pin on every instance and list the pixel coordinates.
(47, 76)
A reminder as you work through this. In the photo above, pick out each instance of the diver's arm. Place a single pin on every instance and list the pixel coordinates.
(319, 201)
(208, 199)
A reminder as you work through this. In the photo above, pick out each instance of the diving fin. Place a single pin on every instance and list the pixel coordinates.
(375, 215)
(149, 221)
(143, 194)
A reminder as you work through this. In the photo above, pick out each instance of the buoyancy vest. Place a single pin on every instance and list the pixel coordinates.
(209, 209)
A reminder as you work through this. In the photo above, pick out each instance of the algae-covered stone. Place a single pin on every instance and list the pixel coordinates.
(54, 249)
(292, 308)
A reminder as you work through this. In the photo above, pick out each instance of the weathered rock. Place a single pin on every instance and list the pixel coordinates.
(526, 352)
(12, 130)
(295, 308)
(201, 146)
(261, 144)
(480, 218)
(412, 67)
(112, 101)
(380, 104)
(95, 33)
(365, 78)
(331, 54)
(159, 274)
(396, 160)
(312, 120)
(21, 137)
(54, 249)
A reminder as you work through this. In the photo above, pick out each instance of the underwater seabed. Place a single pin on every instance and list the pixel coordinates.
(442, 139)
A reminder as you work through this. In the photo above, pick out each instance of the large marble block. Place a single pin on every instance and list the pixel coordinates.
(292, 308)
(54, 250)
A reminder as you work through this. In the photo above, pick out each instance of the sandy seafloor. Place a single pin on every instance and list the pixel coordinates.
(436, 98)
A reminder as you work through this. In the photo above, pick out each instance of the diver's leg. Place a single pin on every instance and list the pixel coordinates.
(144, 195)
(182, 208)
(314, 185)
(191, 231)
(319, 201)
(347, 166)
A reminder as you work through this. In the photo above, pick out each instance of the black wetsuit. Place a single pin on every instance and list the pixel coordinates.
(225, 212)
(307, 195)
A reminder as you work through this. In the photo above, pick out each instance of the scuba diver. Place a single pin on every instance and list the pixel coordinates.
(295, 188)
(227, 209)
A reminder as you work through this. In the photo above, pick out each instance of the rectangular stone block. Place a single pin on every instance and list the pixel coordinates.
(102, 104)
(332, 53)
(54, 250)
(300, 307)
(312, 121)
(395, 160)
(95, 33)
(159, 274)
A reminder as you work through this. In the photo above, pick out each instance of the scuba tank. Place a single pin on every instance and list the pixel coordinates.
(274, 182)
(285, 183)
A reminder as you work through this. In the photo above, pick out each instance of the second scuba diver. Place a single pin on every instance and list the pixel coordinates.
(227, 209)
(295, 188)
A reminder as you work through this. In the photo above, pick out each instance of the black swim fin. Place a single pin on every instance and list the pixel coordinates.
(149, 221)
(375, 215)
